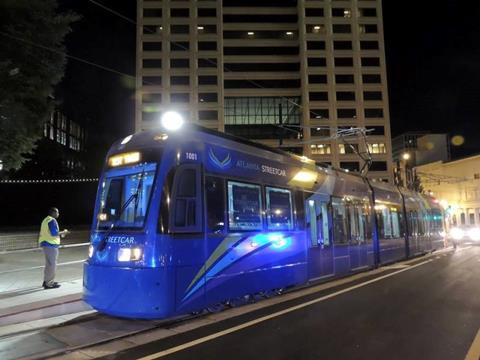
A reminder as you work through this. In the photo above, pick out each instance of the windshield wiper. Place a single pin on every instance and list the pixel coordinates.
(103, 243)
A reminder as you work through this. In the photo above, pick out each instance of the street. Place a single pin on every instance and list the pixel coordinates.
(424, 310)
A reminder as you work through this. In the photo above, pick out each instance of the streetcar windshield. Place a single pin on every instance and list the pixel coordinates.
(125, 196)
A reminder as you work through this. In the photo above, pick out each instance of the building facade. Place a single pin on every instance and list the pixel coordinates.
(60, 153)
(456, 184)
(286, 73)
(421, 148)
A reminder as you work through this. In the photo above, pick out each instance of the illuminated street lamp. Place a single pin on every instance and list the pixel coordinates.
(405, 156)
(172, 120)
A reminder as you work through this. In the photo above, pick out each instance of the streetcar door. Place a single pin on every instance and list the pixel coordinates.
(318, 227)
(188, 242)
(358, 226)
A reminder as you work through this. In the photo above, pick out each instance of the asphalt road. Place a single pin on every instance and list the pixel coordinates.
(426, 310)
(20, 270)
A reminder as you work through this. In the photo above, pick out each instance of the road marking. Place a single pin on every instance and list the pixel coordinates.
(271, 316)
(41, 267)
(474, 351)
(394, 267)
(5, 252)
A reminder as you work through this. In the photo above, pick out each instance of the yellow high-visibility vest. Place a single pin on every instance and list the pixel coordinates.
(45, 234)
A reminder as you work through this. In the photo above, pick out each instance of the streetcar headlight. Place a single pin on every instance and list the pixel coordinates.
(127, 254)
(456, 233)
(90, 251)
(474, 234)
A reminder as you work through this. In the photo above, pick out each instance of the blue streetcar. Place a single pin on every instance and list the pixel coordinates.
(187, 220)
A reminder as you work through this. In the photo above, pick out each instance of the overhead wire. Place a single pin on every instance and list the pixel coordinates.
(91, 63)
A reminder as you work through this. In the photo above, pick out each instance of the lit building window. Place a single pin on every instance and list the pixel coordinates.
(321, 149)
(347, 148)
(261, 110)
(377, 148)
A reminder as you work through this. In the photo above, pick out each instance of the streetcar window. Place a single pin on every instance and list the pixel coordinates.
(340, 232)
(311, 223)
(358, 221)
(317, 222)
(299, 211)
(125, 196)
(279, 209)
(113, 202)
(215, 195)
(390, 221)
(244, 206)
(186, 212)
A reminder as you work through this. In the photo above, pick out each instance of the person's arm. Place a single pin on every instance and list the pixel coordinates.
(53, 227)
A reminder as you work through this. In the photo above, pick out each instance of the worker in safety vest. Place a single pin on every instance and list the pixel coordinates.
(49, 240)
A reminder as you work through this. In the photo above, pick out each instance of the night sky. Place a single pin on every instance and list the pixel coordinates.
(433, 67)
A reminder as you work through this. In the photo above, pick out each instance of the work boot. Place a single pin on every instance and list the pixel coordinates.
(54, 285)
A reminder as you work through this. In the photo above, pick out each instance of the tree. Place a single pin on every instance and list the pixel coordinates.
(32, 62)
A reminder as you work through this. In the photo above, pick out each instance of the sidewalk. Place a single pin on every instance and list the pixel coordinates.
(34, 298)
(29, 239)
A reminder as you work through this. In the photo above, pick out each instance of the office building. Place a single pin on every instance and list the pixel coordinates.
(286, 73)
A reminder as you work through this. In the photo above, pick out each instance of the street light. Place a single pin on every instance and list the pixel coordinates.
(405, 156)
(172, 120)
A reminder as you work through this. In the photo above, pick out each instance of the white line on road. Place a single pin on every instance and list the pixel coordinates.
(271, 316)
(4, 252)
(42, 266)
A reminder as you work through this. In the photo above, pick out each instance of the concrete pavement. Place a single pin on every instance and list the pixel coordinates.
(22, 271)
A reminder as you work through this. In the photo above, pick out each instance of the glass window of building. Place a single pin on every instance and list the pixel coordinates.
(152, 12)
(345, 95)
(180, 97)
(151, 63)
(261, 110)
(341, 28)
(343, 61)
(183, 12)
(318, 96)
(321, 149)
(319, 114)
(318, 62)
(369, 45)
(316, 29)
(373, 113)
(370, 61)
(371, 78)
(208, 97)
(350, 165)
(368, 12)
(314, 12)
(346, 113)
(320, 131)
(317, 79)
(179, 46)
(377, 148)
(179, 80)
(342, 45)
(207, 63)
(179, 63)
(179, 29)
(372, 95)
(344, 78)
(152, 46)
(347, 148)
